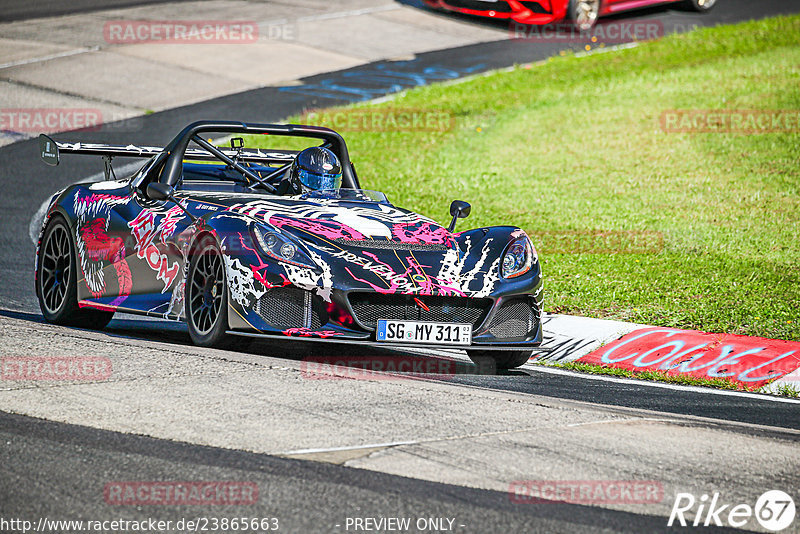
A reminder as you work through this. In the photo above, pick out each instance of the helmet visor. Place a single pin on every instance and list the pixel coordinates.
(320, 181)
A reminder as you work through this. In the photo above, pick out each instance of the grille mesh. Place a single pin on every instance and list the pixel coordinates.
(290, 307)
(513, 319)
(369, 307)
(535, 6)
(389, 245)
(478, 5)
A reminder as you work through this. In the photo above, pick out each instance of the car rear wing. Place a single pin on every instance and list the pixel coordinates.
(50, 151)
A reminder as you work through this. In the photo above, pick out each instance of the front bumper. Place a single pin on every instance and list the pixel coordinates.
(523, 12)
(504, 322)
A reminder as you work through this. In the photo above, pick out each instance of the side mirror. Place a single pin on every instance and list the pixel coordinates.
(459, 210)
(159, 191)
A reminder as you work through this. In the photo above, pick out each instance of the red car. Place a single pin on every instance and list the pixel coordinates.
(582, 13)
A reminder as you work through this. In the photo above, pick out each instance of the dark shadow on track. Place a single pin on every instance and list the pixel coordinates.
(85, 459)
(759, 409)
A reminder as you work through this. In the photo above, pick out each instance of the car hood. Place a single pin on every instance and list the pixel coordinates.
(333, 219)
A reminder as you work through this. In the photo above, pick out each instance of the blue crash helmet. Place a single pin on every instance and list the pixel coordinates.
(318, 169)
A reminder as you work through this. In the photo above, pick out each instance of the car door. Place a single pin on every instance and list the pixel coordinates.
(152, 259)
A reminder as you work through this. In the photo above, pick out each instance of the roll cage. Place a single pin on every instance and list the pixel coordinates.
(173, 153)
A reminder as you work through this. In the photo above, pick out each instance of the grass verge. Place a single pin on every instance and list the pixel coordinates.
(784, 390)
(653, 376)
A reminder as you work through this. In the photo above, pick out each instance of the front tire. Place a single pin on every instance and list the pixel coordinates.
(700, 5)
(583, 13)
(207, 296)
(488, 359)
(57, 281)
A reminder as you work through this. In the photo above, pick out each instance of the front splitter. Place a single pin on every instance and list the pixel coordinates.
(377, 344)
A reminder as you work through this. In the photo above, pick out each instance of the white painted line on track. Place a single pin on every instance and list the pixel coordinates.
(647, 383)
(40, 59)
(465, 436)
(351, 13)
(414, 442)
(609, 421)
(353, 448)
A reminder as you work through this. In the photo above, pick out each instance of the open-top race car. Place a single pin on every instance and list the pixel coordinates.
(261, 242)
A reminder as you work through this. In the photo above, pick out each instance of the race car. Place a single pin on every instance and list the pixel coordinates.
(280, 244)
(581, 13)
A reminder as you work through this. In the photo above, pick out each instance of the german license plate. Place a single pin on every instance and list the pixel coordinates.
(424, 332)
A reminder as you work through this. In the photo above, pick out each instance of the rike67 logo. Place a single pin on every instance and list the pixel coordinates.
(774, 511)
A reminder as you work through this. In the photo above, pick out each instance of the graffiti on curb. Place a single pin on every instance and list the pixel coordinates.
(748, 361)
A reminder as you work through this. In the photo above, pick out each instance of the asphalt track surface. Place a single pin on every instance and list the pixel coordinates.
(25, 9)
(74, 460)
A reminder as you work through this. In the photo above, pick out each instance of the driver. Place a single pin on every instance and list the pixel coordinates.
(314, 169)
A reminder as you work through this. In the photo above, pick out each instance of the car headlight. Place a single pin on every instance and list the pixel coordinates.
(518, 258)
(279, 247)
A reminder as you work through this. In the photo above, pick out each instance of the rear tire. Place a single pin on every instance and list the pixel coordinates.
(488, 359)
(57, 281)
(207, 296)
(700, 5)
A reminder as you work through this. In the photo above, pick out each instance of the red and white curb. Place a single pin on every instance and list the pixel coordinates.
(568, 338)
(750, 362)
